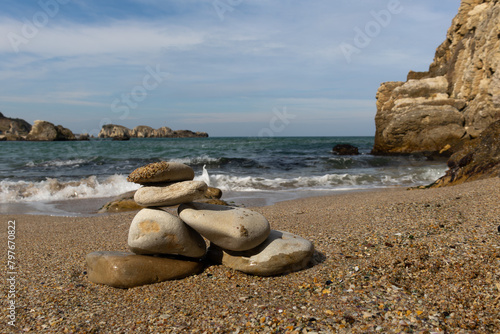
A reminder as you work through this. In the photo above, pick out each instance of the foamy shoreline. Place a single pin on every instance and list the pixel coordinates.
(388, 261)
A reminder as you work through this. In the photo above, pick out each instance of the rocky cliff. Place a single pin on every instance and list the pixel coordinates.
(456, 99)
(46, 131)
(476, 159)
(18, 129)
(142, 131)
(13, 128)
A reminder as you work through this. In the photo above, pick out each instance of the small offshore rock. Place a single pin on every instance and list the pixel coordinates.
(127, 270)
(155, 231)
(282, 252)
(170, 194)
(162, 171)
(229, 227)
(345, 149)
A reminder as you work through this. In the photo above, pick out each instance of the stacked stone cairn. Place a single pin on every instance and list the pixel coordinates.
(166, 247)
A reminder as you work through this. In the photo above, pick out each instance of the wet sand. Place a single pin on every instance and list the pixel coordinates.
(387, 261)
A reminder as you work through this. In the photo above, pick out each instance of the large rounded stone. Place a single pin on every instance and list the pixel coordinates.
(126, 270)
(155, 231)
(170, 194)
(282, 252)
(226, 226)
(161, 172)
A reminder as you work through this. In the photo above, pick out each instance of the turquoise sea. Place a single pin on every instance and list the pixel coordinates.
(258, 169)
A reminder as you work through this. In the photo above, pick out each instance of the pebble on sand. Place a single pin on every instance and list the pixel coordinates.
(170, 194)
(127, 270)
(162, 171)
(228, 227)
(282, 252)
(155, 231)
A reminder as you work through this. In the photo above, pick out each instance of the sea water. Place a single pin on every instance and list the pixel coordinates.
(265, 169)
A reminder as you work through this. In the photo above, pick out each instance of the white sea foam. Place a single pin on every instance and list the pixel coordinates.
(57, 163)
(322, 182)
(202, 159)
(53, 189)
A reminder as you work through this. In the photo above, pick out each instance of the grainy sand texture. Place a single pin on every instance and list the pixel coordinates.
(387, 261)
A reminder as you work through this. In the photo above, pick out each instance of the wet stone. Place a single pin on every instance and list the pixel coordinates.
(127, 270)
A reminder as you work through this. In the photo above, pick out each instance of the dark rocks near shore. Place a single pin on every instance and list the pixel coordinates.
(474, 160)
(345, 149)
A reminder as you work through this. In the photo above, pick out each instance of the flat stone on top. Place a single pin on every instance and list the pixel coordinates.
(282, 252)
(170, 194)
(162, 171)
(226, 226)
(127, 270)
(155, 231)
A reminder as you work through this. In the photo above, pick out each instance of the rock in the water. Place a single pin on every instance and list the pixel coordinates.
(142, 131)
(282, 252)
(127, 270)
(117, 132)
(229, 227)
(161, 172)
(345, 149)
(46, 131)
(155, 231)
(170, 194)
(13, 128)
(477, 159)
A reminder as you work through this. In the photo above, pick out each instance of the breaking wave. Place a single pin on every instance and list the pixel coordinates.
(52, 189)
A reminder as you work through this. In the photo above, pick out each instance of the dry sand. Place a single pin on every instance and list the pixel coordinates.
(388, 261)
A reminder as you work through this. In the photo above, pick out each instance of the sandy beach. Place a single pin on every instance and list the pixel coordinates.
(388, 261)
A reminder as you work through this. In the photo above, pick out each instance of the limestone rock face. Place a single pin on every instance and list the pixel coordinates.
(456, 99)
(114, 131)
(127, 270)
(476, 160)
(229, 227)
(13, 128)
(155, 231)
(280, 253)
(46, 131)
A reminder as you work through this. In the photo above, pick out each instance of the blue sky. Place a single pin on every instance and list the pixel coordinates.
(227, 67)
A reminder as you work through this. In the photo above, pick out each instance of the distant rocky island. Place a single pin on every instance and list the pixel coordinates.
(16, 129)
(119, 132)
